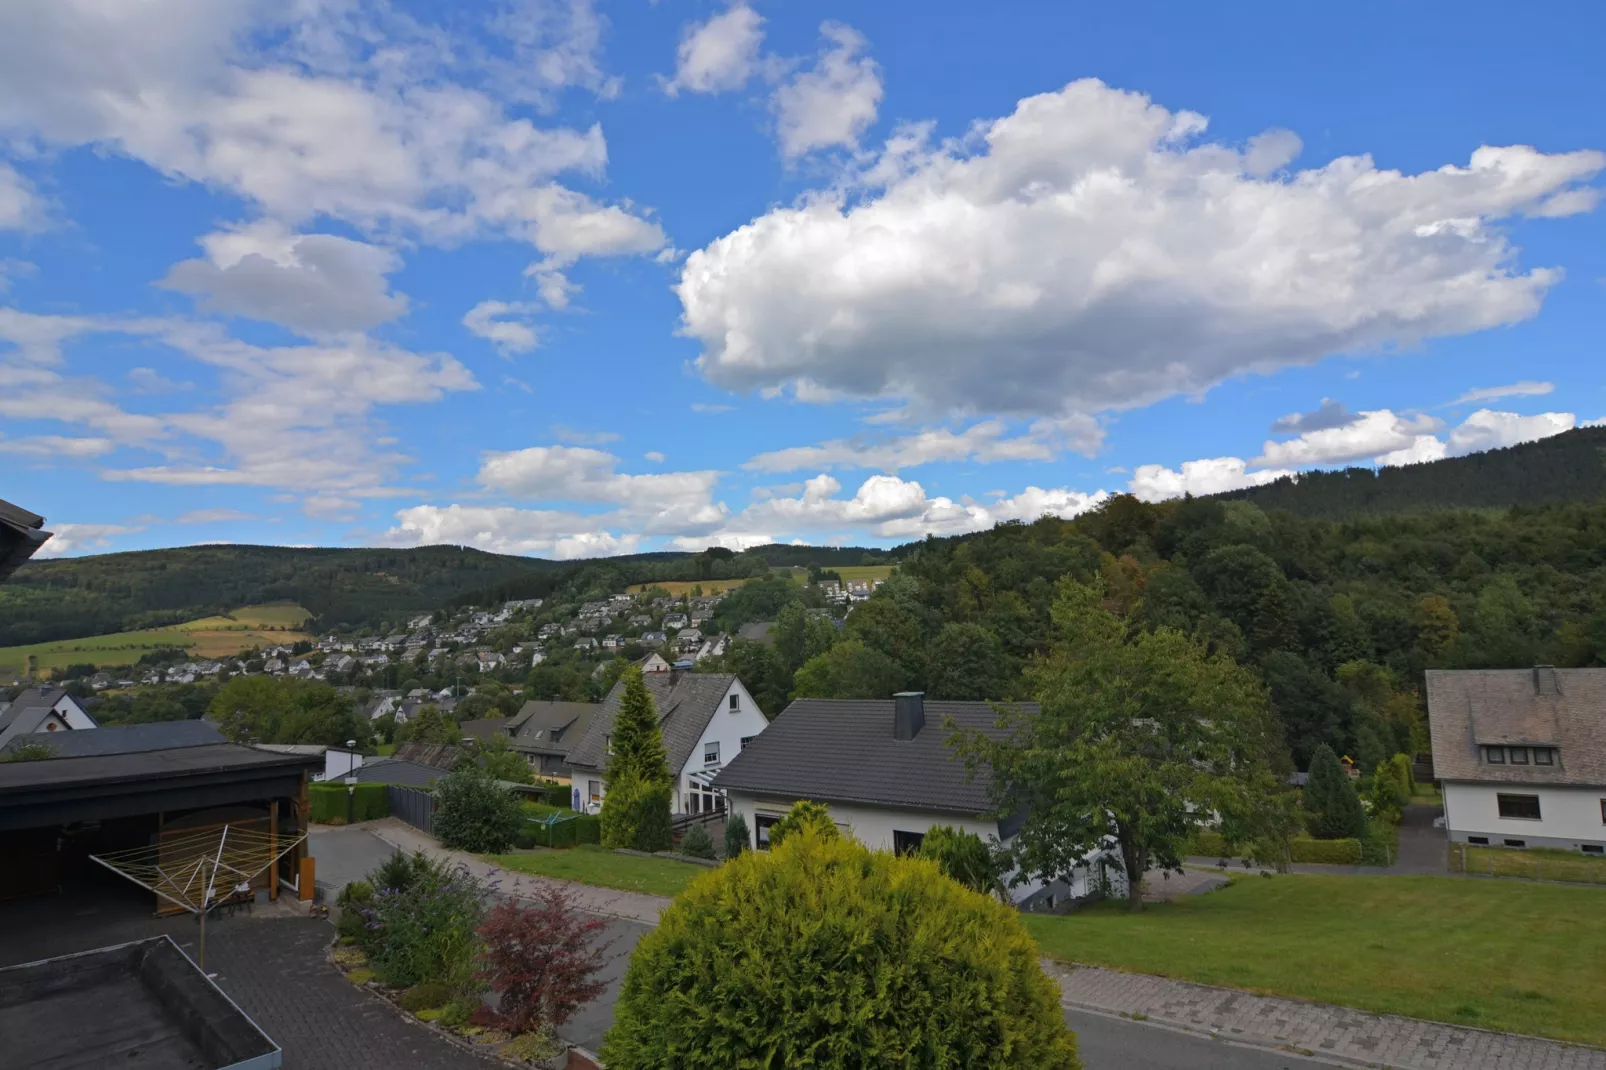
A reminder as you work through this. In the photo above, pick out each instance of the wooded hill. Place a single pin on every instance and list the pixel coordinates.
(1570, 467)
(72, 597)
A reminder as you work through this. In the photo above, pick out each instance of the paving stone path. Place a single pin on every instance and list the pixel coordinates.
(1330, 1032)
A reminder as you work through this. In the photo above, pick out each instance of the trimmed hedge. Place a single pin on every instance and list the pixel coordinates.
(555, 795)
(565, 832)
(821, 953)
(328, 803)
(1208, 844)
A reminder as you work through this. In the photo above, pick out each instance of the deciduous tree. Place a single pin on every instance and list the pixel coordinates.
(1143, 737)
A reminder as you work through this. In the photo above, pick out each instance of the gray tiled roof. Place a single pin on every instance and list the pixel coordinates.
(144, 766)
(842, 750)
(686, 702)
(552, 727)
(1562, 708)
(126, 738)
(396, 771)
(20, 536)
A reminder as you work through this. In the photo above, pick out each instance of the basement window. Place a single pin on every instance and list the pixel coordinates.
(1593, 849)
(1516, 843)
(1481, 841)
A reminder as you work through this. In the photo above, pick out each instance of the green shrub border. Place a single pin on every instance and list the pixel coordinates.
(568, 830)
(328, 802)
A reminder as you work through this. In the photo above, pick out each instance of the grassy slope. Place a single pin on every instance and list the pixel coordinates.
(682, 587)
(863, 572)
(209, 637)
(1499, 955)
(589, 864)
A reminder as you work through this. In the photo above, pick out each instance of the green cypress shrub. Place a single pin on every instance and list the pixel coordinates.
(823, 953)
(651, 820)
(619, 812)
(1334, 809)
(737, 837)
(697, 842)
(476, 813)
(804, 814)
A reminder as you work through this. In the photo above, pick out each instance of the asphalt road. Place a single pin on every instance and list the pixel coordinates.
(1119, 1044)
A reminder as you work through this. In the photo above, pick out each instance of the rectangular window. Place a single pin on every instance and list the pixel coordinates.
(1544, 756)
(1603, 811)
(1480, 840)
(906, 843)
(745, 741)
(711, 753)
(1519, 755)
(1516, 843)
(762, 824)
(736, 703)
(1525, 807)
(594, 789)
(1593, 849)
(1495, 755)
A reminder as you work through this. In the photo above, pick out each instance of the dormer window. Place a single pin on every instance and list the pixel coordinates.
(1544, 756)
(1518, 755)
(1495, 755)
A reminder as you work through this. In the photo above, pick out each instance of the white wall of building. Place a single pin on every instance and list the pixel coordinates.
(874, 827)
(72, 714)
(337, 763)
(1569, 816)
(727, 728)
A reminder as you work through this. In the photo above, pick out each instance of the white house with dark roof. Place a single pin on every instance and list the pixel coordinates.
(1521, 755)
(707, 719)
(43, 710)
(884, 769)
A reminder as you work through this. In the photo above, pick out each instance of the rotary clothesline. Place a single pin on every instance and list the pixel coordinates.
(185, 868)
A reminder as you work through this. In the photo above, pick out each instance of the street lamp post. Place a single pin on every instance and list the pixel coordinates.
(351, 781)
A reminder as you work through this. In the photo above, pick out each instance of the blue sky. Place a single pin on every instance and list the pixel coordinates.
(569, 278)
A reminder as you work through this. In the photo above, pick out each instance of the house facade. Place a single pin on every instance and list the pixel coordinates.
(1521, 756)
(706, 719)
(42, 709)
(886, 773)
(545, 731)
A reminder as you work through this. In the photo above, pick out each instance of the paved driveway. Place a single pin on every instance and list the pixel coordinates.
(345, 854)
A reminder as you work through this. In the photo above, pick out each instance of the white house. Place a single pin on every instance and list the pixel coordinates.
(42, 709)
(1521, 755)
(884, 769)
(706, 718)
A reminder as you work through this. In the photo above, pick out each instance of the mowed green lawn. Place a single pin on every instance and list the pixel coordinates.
(1505, 955)
(590, 864)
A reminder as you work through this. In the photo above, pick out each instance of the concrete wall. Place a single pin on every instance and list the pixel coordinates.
(1569, 817)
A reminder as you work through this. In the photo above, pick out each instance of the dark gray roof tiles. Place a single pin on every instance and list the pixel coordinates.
(1565, 709)
(842, 750)
(686, 702)
(125, 738)
(552, 727)
(145, 766)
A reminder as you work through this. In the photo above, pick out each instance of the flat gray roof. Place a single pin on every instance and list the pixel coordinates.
(135, 1006)
(142, 766)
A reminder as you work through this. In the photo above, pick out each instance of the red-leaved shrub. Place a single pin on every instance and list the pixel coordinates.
(542, 960)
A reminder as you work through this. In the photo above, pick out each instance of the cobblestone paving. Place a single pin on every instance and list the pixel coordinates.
(1324, 1030)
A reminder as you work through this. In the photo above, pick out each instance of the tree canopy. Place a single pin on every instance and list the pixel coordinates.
(1143, 736)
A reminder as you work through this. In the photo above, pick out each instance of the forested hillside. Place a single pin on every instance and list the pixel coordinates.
(343, 588)
(1339, 619)
(78, 596)
(1565, 468)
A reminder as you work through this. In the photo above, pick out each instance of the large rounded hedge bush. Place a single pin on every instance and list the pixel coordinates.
(822, 953)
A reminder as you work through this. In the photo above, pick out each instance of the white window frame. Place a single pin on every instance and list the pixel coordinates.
(714, 746)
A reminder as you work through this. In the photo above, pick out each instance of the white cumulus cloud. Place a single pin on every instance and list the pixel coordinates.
(1156, 482)
(1092, 251)
(1367, 435)
(310, 283)
(1525, 388)
(831, 103)
(720, 54)
(504, 324)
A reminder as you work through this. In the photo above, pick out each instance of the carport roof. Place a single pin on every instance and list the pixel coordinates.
(142, 766)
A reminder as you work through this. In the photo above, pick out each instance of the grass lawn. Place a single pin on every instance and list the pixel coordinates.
(680, 587)
(1499, 955)
(1535, 863)
(385, 750)
(862, 572)
(590, 864)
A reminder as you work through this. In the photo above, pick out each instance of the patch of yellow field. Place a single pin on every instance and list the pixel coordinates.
(207, 637)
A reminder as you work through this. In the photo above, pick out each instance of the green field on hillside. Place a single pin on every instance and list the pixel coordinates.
(1504, 955)
(863, 572)
(206, 637)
